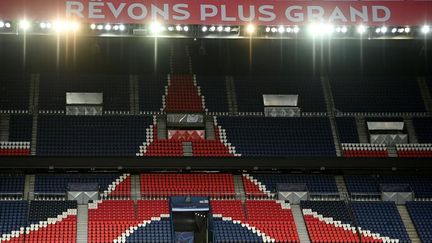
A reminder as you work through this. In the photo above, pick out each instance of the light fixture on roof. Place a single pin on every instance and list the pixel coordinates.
(425, 29)
(250, 29)
(24, 24)
(204, 29)
(361, 29)
(156, 28)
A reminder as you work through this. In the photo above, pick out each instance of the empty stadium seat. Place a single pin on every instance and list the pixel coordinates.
(14, 91)
(382, 218)
(183, 94)
(13, 216)
(187, 184)
(280, 137)
(364, 150)
(347, 129)
(11, 184)
(414, 150)
(421, 216)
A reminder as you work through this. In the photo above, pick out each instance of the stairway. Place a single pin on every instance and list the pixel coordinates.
(409, 226)
(133, 94)
(362, 129)
(329, 102)
(135, 187)
(392, 152)
(231, 95)
(412, 136)
(343, 191)
(161, 129)
(29, 185)
(210, 132)
(300, 224)
(187, 149)
(82, 218)
(4, 127)
(239, 189)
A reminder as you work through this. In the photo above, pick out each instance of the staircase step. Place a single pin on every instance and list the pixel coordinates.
(239, 188)
(82, 218)
(300, 224)
(409, 226)
(341, 185)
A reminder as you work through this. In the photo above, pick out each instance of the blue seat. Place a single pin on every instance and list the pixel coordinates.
(156, 231)
(13, 216)
(228, 232)
(421, 215)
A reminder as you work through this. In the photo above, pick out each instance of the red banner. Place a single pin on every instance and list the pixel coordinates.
(226, 12)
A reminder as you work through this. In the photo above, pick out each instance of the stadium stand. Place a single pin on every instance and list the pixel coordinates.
(366, 184)
(217, 185)
(421, 215)
(11, 184)
(376, 94)
(214, 91)
(251, 88)
(183, 94)
(264, 184)
(14, 92)
(53, 88)
(414, 150)
(153, 231)
(91, 135)
(380, 218)
(280, 137)
(52, 221)
(347, 130)
(46, 184)
(423, 129)
(20, 128)
(329, 221)
(151, 91)
(13, 216)
(364, 150)
(226, 231)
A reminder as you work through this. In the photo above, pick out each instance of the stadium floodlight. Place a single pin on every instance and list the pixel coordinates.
(394, 30)
(93, 26)
(2, 24)
(361, 29)
(296, 29)
(108, 27)
(179, 28)
(250, 28)
(273, 29)
(320, 29)
(170, 28)
(220, 28)
(212, 28)
(99, 27)
(267, 29)
(289, 30)
(122, 27)
(281, 29)
(384, 30)
(407, 30)
(116, 27)
(344, 29)
(227, 29)
(186, 28)
(204, 29)
(425, 29)
(24, 24)
(41, 25)
(156, 28)
(8, 25)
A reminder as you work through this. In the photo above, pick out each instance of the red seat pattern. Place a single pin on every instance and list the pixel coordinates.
(414, 150)
(229, 208)
(364, 150)
(251, 189)
(183, 95)
(270, 218)
(110, 219)
(322, 232)
(152, 208)
(123, 189)
(15, 152)
(167, 184)
(61, 232)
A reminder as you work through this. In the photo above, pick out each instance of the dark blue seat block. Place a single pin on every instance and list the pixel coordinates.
(347, 129)
(13, 215)
(249, 91)
(423, 129)
(315, 183)
(20, 128)
(421, 215)
(214, 90)
(91, 135)
(228, 232)
(157, 231)
(12, 183)
(280, 137)
(377, 94)
(42, 210)
(338, 210)
(382, 218)
(151, 90)
(58, 183)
